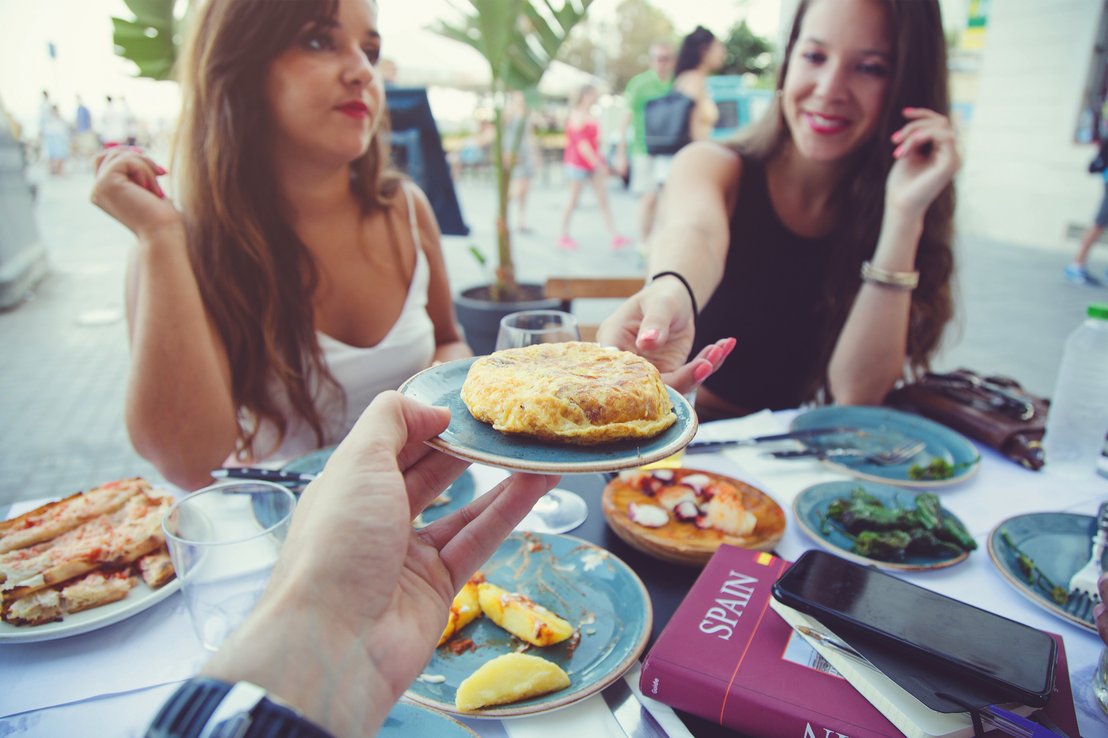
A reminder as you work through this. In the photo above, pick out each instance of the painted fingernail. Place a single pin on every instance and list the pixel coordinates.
(649, 335)
(715, 355)
(702, 372)
(162, 170)
(898, 151)
(729, 346)
(897, 136)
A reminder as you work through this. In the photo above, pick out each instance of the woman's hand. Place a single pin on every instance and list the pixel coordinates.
(127, 189)
(658, 324)
(926, 160)
(359, 597)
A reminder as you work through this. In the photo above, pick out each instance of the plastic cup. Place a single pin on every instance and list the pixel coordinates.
(1100, 681)
(224, 541)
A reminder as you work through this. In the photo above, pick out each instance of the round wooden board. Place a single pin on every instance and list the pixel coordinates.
(684, 543)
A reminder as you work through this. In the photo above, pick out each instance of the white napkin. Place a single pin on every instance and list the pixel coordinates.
(123, 715)
(590, 717)
(153, 647)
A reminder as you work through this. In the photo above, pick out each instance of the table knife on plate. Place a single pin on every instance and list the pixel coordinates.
(636, 720)
(798, 435)
(266, 475)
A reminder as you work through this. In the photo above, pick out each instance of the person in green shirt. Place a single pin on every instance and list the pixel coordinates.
(647, 85)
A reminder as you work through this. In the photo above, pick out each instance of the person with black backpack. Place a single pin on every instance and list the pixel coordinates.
(1078, 271)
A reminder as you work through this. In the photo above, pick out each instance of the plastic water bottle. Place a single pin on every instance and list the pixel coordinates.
(1078, 418)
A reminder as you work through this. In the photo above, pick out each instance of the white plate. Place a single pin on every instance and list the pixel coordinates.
(140, 598)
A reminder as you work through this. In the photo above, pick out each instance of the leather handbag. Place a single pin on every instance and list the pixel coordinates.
(996, 411)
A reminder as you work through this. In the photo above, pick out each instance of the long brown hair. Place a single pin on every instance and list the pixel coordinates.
(256, 276)
(918, 78)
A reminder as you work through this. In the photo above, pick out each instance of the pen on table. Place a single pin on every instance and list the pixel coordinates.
(266, 475)
(1003, 720)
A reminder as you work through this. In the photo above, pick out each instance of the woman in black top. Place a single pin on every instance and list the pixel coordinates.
(821, 239)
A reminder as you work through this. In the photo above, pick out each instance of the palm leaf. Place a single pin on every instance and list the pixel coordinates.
(148, 39)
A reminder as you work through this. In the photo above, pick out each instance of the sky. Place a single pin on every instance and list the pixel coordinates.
(86, 64)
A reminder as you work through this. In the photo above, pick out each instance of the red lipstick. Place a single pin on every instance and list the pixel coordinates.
(354, 108)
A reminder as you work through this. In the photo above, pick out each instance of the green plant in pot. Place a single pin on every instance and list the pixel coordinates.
(519, 39)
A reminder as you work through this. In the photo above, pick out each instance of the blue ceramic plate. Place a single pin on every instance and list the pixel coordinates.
(885, 428)
(1059, 545)
(810, 509)
(456, 495)
(406, 720)
(583, 583)
(470, 439)
(312, 463)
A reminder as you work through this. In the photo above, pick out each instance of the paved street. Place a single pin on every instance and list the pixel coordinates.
(64, 362)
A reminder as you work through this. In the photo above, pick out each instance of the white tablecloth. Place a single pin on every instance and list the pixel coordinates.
(115, 678)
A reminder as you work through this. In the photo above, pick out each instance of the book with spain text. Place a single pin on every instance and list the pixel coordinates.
(729, 658)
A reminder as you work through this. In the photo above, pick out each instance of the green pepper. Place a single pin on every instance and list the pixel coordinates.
(953, 531)
(937, 469)
(928, 511)
(1033, 573)
(887, 545)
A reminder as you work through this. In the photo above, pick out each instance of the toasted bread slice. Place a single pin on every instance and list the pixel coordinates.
(51, 520)
(156, 568)
(39, 608)
(95, 589)
(120, 538)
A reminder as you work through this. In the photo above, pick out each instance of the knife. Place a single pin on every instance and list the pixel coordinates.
(636, 720)
(798, 435)
(265, 475)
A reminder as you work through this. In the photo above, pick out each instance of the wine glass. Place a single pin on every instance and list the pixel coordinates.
(559, 510)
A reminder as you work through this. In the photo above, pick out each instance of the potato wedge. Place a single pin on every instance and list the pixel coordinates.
(508, 678)
(463, 610)
(522, 617)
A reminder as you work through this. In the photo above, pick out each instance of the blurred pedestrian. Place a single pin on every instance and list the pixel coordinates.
(584, 163)
(521, 151)
(701, 55)
(1078, 271)
(389, 71)
(55, 140)
(113, 124)
(84, 137)
(646, 178)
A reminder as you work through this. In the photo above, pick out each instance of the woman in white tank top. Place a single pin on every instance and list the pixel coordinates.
(300, 276)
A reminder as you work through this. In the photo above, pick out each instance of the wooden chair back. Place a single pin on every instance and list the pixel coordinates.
(568, 289)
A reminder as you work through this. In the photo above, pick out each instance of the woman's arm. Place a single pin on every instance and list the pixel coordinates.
(449, 344)
(179, 412)
(869, 356)
(691, 238)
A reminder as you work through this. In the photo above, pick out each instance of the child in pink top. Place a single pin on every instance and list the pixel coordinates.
(584, 163)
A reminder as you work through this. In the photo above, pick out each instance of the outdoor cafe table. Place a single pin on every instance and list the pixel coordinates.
(111, 681)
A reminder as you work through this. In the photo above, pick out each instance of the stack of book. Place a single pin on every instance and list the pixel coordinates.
(731, 655)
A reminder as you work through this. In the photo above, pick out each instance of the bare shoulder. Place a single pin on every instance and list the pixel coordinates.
(706, 165)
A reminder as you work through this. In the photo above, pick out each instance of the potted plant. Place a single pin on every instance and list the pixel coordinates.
(519, 39)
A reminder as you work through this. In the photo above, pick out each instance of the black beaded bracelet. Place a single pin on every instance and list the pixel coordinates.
(688, 288)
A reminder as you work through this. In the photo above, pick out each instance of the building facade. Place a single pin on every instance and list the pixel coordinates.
(1026, 151)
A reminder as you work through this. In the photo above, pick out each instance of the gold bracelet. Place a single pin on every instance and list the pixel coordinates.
(884, 278)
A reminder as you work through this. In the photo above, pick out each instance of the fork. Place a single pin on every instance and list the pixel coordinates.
(1083, 583)
(890, 457)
